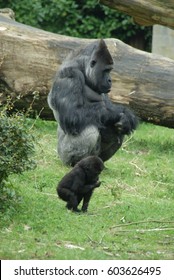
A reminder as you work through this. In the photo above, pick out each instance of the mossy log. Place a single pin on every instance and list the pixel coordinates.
(30, 57)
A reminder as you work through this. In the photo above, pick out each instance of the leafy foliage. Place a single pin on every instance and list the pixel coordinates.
(16, 147)
(78, 18)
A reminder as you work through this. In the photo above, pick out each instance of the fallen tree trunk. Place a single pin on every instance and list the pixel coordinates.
(29, 58)
(145, 12)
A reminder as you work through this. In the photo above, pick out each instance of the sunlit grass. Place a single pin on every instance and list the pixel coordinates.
(130, 216)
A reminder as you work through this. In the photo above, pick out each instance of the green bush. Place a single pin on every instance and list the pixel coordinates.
(16, 146)
(79, 18)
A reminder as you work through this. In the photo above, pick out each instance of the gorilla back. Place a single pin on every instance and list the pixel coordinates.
(89, 123)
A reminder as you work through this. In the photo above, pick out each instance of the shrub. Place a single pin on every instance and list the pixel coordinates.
(16, 146)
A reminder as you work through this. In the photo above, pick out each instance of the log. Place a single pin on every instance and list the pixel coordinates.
(145, 12)
(30, 57)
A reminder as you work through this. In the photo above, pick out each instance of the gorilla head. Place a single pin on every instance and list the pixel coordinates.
(98, 67)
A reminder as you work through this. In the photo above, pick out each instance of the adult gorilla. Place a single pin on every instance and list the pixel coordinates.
(89, 123)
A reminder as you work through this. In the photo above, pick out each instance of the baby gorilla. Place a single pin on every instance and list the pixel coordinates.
(80, 183)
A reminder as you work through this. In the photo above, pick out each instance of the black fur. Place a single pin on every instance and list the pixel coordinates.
(79, 99)
(80, 183)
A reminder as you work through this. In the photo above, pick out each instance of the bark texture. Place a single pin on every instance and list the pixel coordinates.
(146, 12)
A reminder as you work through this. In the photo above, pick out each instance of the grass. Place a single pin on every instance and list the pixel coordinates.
(131, 216)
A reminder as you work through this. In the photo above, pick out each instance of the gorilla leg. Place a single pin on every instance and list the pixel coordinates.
(79, 197)
(111, 141)
(86, 200)
(86, 188)
(71, 199)
(86, 194)
(72, 148)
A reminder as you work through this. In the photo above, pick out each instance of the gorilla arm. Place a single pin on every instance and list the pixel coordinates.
(68, 99)
(125, 120)
(91, 95)
(125, 123)
(86, 188)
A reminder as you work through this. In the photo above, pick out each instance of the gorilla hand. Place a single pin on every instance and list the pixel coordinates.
(97, 184)
(127, 123)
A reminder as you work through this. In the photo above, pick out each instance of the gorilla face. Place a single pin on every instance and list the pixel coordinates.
(98, 69)
(98, 76)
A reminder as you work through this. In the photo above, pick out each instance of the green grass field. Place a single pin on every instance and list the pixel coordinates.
(131, 216)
